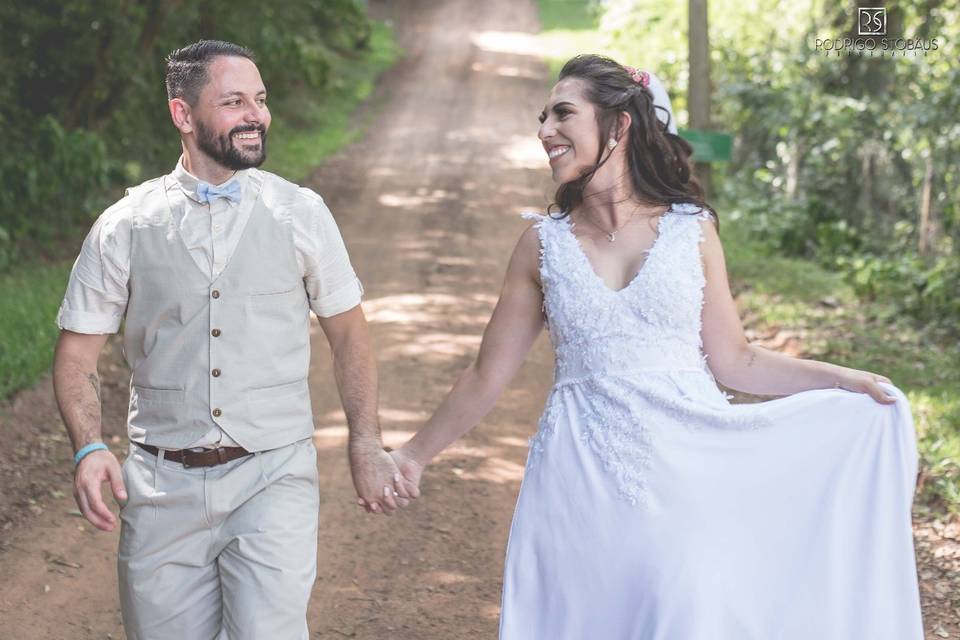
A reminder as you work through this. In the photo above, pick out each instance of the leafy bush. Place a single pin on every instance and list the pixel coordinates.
(927, 292)
(82, 99)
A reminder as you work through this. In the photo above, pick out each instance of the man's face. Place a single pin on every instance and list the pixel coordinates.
(231, 115)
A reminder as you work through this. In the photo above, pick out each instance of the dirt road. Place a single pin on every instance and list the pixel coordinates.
(428, 205)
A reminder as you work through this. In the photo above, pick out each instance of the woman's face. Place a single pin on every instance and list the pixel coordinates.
(569, 131)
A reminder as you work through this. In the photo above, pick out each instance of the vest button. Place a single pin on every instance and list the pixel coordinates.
(215, 333)
(215, 294)
(216, 373)
(217, 413)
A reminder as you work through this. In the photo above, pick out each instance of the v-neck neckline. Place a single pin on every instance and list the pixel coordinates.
(578, 247)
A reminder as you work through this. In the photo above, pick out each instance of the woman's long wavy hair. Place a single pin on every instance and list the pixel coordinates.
(658, 161)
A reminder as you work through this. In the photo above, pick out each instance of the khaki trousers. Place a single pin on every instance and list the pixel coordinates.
(226, 552)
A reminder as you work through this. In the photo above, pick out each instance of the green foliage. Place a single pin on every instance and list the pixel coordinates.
(51, 178)
(927, 291)
(567, 27)
(569, 15)
(82, 97)
(304, 133)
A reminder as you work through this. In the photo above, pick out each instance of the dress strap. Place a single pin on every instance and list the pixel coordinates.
(689, 210)
(686, 253)
(532, 215)
(689, 216)
(547, 228)
(538, 220)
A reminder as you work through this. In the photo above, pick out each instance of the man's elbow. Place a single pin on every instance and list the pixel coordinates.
(347, 335)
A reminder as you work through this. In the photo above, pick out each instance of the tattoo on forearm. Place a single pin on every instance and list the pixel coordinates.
(80, 410)
(753, 356)
(95, 383)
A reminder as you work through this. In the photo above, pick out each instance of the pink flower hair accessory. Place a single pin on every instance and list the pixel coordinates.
(640, 77)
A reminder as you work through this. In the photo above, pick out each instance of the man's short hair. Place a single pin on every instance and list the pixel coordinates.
(187, 67)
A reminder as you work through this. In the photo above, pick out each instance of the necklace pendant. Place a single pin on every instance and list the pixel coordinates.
(611, 236)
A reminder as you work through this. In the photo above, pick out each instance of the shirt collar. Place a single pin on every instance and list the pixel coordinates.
(188, 182)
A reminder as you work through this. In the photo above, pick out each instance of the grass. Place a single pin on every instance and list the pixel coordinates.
(568, 27)
(29, 299)
(799, 295)
(314, 127)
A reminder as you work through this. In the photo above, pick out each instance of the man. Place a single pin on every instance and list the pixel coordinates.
(214, 269)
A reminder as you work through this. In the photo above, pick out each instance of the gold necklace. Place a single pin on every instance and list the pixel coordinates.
(611, 235)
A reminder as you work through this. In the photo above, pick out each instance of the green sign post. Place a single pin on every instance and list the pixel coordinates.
(708, 146)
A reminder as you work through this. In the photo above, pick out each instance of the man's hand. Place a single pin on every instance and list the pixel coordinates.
(379, 484)
(95, 469)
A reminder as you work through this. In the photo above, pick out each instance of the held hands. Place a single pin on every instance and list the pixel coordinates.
(380, 485)
(410, 469)
(865, 382)
(95, 469)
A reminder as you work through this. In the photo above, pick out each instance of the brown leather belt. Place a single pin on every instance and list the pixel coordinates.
(208, 458)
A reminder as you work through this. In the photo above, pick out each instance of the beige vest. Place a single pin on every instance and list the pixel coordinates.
(234, 352)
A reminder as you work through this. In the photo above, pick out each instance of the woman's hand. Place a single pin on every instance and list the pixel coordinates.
(410, 471)
(865, 382)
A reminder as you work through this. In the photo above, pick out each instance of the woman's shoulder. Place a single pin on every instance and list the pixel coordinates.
(531, 237)
(537, 239)
(528, 252)
(542, 223)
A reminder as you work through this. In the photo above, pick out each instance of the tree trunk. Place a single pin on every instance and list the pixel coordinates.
(926, 232)
(698, 91)
(794, 167)
(864, 215)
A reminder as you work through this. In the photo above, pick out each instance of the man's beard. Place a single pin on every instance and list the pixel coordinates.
(222, 150)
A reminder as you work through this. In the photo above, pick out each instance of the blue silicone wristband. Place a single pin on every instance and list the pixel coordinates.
(90, 448)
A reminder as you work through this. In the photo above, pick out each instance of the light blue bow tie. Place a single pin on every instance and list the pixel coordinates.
(209, 193)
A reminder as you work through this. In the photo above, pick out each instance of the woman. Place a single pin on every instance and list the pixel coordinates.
(651, 508)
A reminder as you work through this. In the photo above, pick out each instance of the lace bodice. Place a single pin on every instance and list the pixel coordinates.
(653, 322)
(626, 359)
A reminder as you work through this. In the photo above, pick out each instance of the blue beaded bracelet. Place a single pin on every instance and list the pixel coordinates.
(90, 448)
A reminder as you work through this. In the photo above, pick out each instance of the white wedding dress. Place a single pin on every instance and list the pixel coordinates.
(653, 509)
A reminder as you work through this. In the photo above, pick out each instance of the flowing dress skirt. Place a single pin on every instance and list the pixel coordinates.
(800, 530)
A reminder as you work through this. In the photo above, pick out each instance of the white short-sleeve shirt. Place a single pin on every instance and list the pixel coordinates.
(96, 296)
